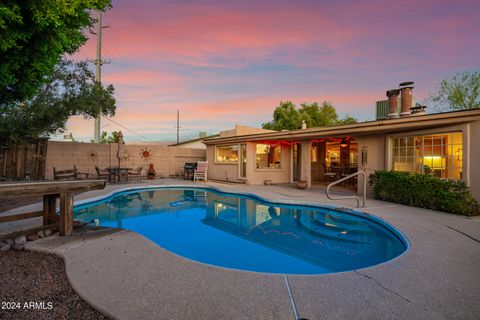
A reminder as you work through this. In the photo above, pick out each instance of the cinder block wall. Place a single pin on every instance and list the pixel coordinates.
(167, 161)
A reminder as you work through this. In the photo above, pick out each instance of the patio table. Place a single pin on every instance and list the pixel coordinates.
(51, 191)
(118, 174)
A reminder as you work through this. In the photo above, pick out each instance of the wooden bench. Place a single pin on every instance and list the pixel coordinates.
(68, 174)
(50, 192)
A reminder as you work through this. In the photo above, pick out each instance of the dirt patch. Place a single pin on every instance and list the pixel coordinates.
(7, 203)
(32, 277)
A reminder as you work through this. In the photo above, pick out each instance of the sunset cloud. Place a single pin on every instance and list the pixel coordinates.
(224, 62)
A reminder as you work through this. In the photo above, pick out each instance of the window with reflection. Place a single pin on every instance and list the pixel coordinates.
(226, 154)
(227, 212)
(439, 155)
(314, 151)
(268, 156)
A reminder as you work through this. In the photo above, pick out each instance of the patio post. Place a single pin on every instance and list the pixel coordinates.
(306, 162)
(66, 214)
(49, 209)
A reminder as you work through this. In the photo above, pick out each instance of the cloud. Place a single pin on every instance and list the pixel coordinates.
(221, 62)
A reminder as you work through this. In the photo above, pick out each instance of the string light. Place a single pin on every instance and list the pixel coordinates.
(344, 139)
(277, 142)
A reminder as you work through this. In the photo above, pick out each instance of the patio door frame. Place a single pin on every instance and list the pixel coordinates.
(242, 161)
(296, 162)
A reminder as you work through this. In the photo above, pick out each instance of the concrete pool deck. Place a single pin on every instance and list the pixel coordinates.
(126, 276)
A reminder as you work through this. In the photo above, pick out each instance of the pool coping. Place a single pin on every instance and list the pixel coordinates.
(379, 277)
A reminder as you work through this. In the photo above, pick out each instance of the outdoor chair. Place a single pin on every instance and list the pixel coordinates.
(200, 172)
(63, 174)
(78, 174)
(136, 173)
(345, 172)
(103, 174)
(327, 174)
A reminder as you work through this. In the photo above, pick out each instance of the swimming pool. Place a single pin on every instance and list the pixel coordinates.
(247, 233)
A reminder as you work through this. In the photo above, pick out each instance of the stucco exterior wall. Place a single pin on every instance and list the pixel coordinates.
(258, 176)
(230, 172)
(221, 171)
(473, 154)
(167, 161)
(376, 157)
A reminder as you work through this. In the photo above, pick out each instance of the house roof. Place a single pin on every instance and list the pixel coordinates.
(194, 140)
(418, 122)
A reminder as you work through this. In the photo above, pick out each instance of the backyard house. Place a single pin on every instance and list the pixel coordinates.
(407, 139)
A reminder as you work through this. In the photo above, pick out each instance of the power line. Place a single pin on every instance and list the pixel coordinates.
(132, 131)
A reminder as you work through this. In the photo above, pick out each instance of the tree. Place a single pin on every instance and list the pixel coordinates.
(347, 120)
(287, 117)
(316, 116)
(113, 138)
(34, 35)
(70, 90)
(459, 92)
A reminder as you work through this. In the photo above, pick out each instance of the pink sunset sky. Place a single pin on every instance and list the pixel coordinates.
(223, 63)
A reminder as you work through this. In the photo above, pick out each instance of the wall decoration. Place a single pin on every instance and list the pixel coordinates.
(92, 155)
(146, 154)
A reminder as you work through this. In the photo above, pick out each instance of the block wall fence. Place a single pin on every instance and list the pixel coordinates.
(167, 161)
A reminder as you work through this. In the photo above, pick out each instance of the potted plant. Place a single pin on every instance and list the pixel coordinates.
(302, 184)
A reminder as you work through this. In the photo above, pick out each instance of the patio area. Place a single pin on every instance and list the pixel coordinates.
(126, 276)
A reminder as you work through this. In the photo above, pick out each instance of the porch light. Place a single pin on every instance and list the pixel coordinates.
(343, 143)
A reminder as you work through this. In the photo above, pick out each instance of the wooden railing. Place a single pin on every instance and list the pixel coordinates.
(64, 190)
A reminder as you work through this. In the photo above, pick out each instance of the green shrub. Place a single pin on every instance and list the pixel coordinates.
(424, 191)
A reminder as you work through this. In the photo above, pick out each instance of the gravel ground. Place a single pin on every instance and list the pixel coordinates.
(7, 203)
(27, 277)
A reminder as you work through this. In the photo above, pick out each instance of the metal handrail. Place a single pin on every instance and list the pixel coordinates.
(350, 197)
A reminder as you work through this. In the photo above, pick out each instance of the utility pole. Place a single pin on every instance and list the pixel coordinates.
(98, 73)
(178, 126)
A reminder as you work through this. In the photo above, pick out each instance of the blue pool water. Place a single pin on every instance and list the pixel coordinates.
(242, 232)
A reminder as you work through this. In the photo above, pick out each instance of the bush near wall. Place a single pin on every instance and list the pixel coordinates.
(424, 191)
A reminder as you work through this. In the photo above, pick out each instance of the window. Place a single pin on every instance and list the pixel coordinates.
(314, 153)
(440, 155)
(268, 156)
(332, 155)
(227, 154)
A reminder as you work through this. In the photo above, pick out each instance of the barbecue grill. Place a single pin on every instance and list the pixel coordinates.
(189, 169)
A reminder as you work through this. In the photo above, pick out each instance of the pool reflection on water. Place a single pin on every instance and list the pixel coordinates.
(241, 232)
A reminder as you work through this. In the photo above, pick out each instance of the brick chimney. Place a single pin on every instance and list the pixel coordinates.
(406, 89)
(392, 95)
